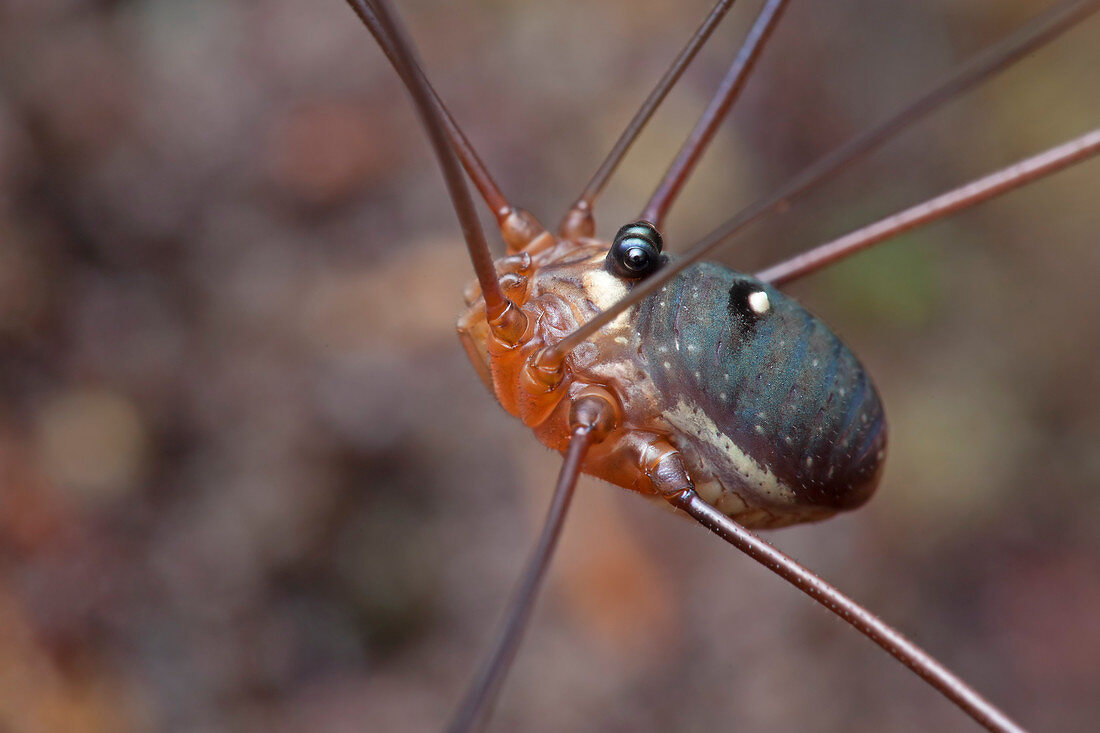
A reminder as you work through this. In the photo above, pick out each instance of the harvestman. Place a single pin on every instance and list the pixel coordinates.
(554, 329)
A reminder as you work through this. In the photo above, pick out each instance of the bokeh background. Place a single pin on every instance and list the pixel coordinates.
(249, 482)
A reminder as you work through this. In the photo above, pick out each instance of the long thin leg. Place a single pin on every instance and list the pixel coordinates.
(864, 621)
(972, 193)
(483, 691)
(405, 61)
(475, 168)
(1039, 32)
(579, 218)
(728, 92)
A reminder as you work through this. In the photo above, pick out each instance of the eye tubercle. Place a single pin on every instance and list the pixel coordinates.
(636, 251)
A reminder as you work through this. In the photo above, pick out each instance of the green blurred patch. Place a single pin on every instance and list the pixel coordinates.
(895, 282)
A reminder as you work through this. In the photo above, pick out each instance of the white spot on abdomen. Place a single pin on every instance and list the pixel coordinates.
(759, 302)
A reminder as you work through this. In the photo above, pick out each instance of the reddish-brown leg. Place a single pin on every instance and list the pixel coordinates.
(578, 221)
(1039, 32)
(728, 92)
(475, 168)
(590, 422)
(863, 620)
(507, 322)
(995, 184)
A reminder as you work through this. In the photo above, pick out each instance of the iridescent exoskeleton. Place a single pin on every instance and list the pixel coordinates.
(763, 397)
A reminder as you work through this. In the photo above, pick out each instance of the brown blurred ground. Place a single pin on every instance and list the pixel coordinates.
(248, 482)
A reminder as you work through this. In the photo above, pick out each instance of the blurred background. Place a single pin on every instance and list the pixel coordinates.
(248, 480)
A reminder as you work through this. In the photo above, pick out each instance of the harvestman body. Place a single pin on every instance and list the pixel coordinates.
(680, 378)
(745, 395)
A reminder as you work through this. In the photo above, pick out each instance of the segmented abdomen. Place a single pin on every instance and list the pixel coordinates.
(764, 393)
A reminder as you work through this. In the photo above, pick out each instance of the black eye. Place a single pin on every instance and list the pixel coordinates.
(636, 251)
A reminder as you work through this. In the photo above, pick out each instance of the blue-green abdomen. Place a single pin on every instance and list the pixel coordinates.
(777, 409)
